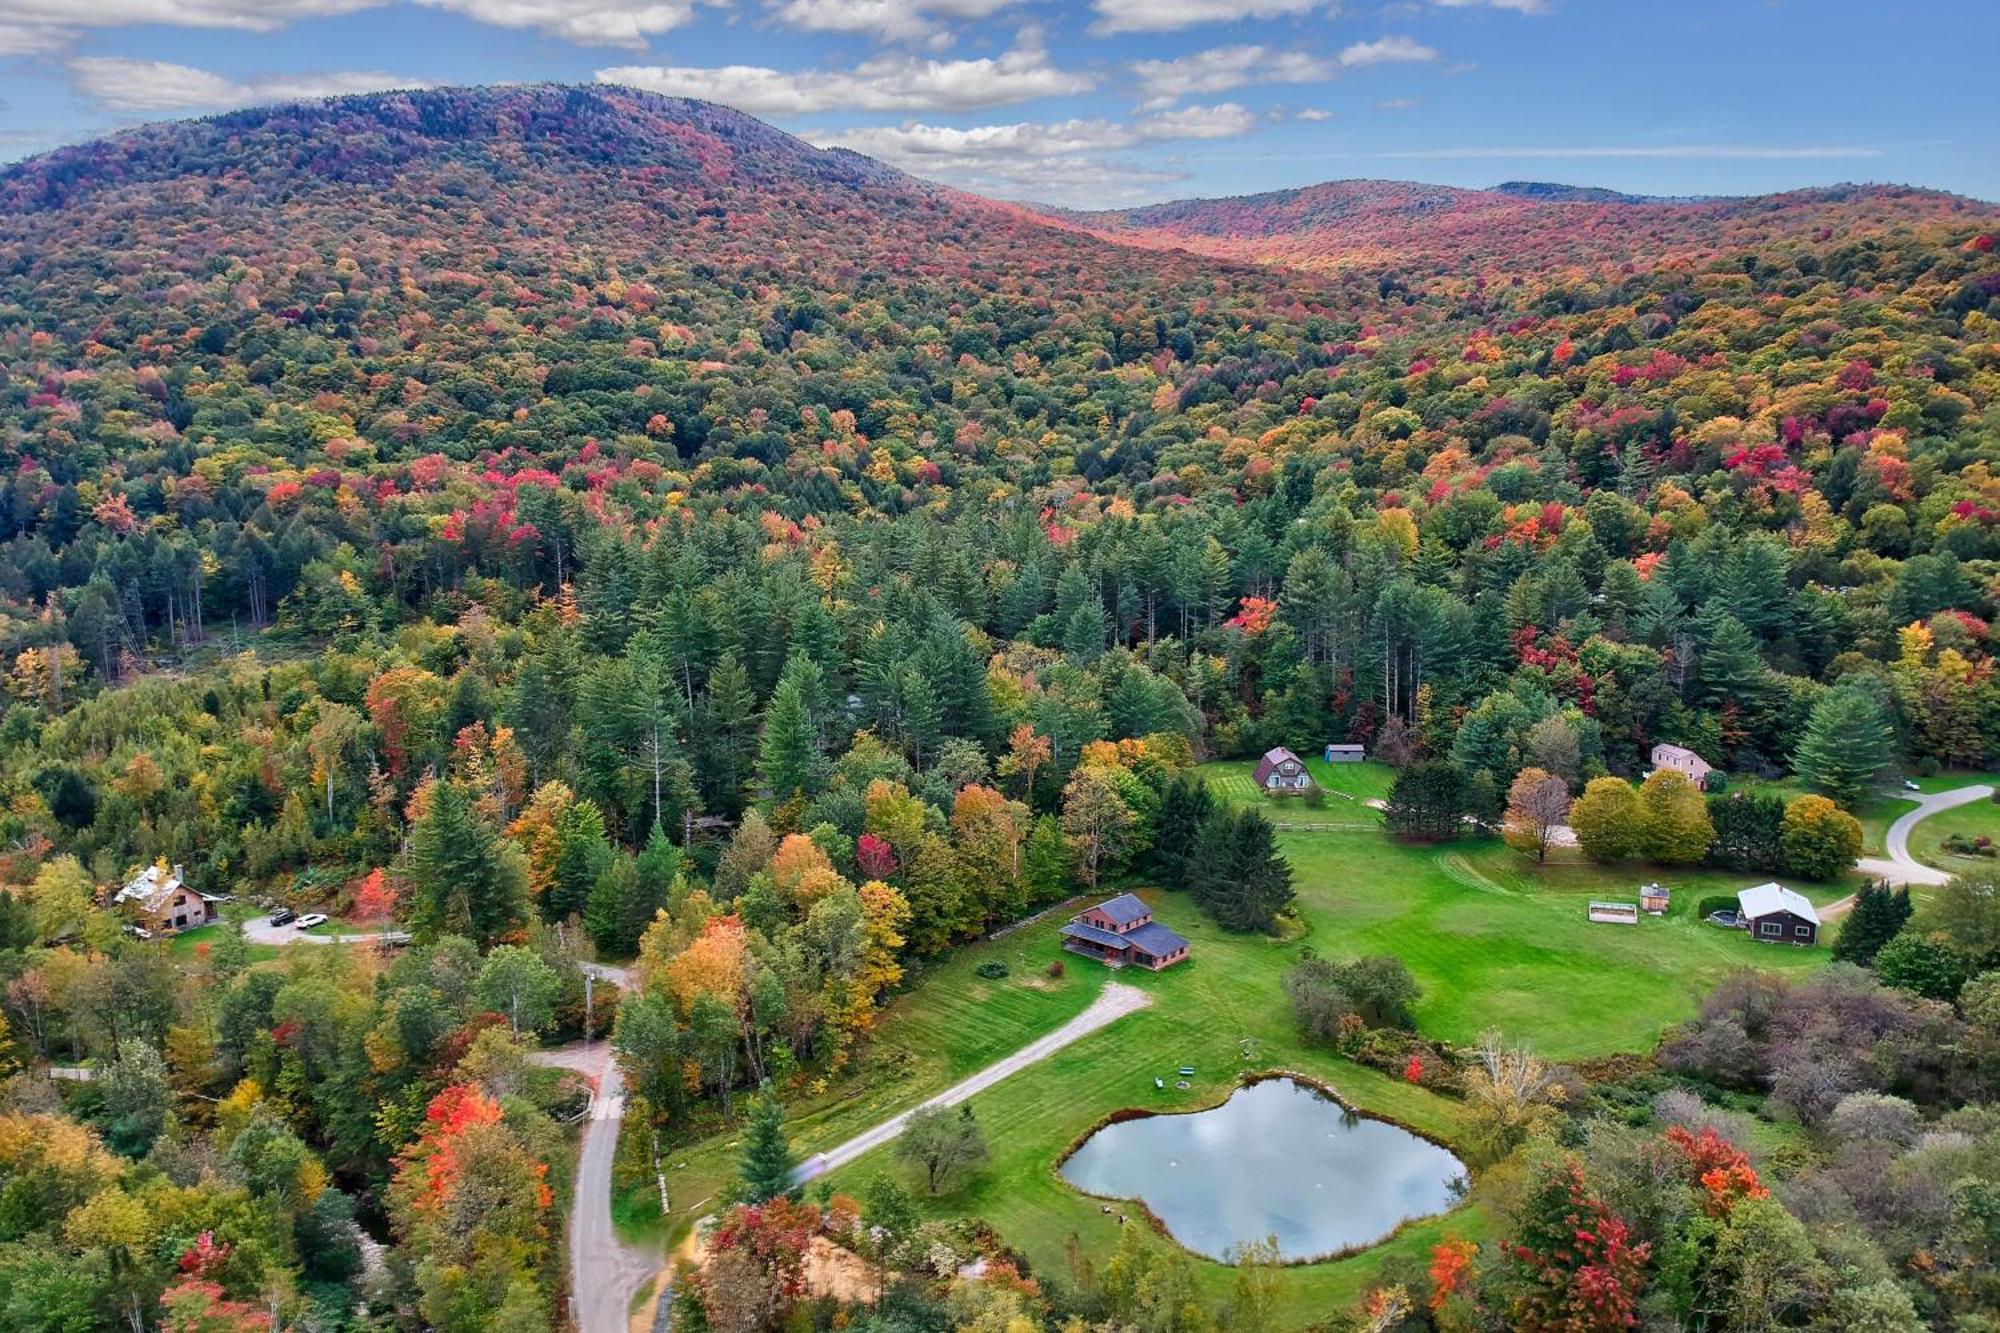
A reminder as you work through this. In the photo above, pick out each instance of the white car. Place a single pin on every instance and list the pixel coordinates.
(311, 919)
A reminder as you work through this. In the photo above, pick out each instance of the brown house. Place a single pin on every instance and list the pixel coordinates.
(1773, 914)
(159, 900)
(1121, 930)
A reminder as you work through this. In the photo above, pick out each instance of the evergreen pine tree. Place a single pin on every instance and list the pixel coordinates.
(466, 879)
(764, 1172)
(1262, 878)
(789, 759)
(1428, 802)
(1184, 809)
(1878, 917)
(1846, 743)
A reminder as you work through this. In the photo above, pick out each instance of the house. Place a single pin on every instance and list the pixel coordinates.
(1773, 914)
(1282, 771)
(1655, 899)
(1121, 930)
(159, 900)
(1345, 754)
(1679, 760)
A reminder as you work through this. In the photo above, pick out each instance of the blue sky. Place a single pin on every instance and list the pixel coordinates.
(1105, 102)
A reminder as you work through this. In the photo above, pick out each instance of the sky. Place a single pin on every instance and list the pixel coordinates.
(1104, 103)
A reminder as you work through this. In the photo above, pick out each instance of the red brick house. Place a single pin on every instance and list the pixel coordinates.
(1122, 931)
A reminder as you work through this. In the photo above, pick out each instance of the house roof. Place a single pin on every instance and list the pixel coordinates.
(1765, 899)
(151, 887)
(1077, 930)
(1157, 940)
(1124, 909)
(1664, 750)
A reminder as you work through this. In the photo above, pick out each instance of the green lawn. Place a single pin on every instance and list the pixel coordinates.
(189, 942)
(1495, 940)
(1973, 820)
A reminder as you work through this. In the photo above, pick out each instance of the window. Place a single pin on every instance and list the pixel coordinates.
(1772, 928)
(1803, 932)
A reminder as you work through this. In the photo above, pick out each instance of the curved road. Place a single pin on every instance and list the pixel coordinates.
(1899, 867)
(1112, 1003)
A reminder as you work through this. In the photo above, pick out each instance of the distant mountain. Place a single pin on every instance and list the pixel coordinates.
(1522, 229)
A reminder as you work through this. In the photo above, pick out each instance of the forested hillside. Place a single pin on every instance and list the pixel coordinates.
(496, 509)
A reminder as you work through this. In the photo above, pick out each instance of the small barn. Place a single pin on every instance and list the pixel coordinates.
(1281, 771)
(159, 900)
(1121, 931)
(1345, 754)
(1774, 914)
(1676, 759)
(1655, 899)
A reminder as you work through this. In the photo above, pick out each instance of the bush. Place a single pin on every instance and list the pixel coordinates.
(1056, 970)
(1716, 782)
(994, 970)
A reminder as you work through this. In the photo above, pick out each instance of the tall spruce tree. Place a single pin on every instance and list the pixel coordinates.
(466, 879)
(1878, 917)
(1847, 742)
(1237, 873)
(1428, 802)
(764, 1172)
(1184, 810)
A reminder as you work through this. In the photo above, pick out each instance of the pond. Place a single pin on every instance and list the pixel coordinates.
(1279, 1158)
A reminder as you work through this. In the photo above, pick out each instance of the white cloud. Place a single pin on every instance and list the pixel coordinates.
(1386, 51)
(1755, 152)
(1219, 69)
(1514, 6)
(626, 23)
(885, 20)
(1055, 161)
(41, 25)
(884, 83)
(119, 84)
(1314, 113)
(1169, 15)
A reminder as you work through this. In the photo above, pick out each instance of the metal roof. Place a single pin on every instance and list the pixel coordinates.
(1076, 930)
(1126, 907)
(1156, 939)
(1765, 899)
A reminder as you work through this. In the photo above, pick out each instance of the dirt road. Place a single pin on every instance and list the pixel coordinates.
(1113, 1003)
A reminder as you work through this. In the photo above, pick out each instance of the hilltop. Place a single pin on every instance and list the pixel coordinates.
(1519, 229)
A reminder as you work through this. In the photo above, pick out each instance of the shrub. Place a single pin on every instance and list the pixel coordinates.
(994, 970)
(1056, 970)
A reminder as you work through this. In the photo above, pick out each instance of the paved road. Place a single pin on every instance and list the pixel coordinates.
(604, 1272)
(1113, 1003)
(1899, 867)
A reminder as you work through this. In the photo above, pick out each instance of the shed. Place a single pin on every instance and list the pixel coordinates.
(1655, 898)
(1345, 754)
(1774, 914)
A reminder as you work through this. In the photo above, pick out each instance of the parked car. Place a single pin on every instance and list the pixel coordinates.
(138, 932)
(282, 916)
(1910, 786)
(311, 919)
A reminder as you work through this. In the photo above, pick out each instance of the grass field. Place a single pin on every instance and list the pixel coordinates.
(1972, 821)
(1495, 940)
(189, 942)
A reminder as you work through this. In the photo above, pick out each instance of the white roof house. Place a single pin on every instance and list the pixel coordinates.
(152, 887)
(1768, 898)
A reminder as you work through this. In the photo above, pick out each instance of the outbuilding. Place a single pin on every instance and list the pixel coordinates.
(1345, 754)
(1774, 914)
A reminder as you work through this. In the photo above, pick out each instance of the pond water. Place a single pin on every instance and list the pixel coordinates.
(1279, 1158)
